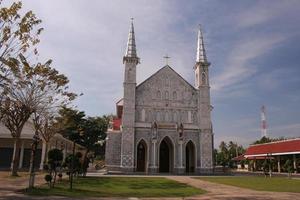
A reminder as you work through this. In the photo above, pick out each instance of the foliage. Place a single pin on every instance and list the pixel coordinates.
(70, 123)
(19, 33)
(55, 158)
(48, 179)
(265, 166)
(86, 131)
(77, 167)
(289, 167)
(267, 140)
(25, 88)
(226, 153)
(121, 187)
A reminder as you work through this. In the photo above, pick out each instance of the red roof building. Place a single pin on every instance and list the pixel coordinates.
(279, 151)
(116, 122)
(285, 147)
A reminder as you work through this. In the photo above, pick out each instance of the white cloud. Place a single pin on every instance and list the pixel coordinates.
(87, 41)
(238, 66)
(265, 11)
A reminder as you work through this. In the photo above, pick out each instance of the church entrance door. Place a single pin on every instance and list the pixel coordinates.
(189, 158)
(165, 156)
(141, 157)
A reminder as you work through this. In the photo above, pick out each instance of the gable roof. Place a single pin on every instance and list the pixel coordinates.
(284, 147)
(166, 66)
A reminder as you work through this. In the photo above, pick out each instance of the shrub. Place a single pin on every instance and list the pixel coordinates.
(48, 179)
(288, 166)
(55, 158)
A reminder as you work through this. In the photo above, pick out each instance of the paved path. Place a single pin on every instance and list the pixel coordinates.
(224, 192)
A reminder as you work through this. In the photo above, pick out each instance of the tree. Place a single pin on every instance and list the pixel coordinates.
(72, 165)
(55, 159)
(263, 140)
(94, 130)
(223, 156)
(86, 131)
(267, 140)
(31, 88)
(226, 153)
(45, 125)
(19, 33)
(24, 87)
(70, 126)
(288, 166)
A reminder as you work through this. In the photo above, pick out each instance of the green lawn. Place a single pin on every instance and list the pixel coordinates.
(119, 187)
(275, 184)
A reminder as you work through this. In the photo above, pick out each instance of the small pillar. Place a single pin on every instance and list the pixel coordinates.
(153, 168)
(180, 168)
(295, 163)
(21, 155)
(278, 164)
(254, 165)
(180, 153)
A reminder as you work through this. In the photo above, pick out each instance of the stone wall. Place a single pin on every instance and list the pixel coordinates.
(113, 150)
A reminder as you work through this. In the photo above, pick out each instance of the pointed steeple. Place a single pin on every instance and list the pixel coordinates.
(131, 47)
(201, 54)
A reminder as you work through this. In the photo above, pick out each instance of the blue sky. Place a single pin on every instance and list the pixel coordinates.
(253, 47)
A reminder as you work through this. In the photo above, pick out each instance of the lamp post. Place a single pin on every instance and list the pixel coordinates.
(34, 145)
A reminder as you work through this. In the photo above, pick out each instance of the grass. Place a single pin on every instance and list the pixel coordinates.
(119, 187)
(274, 184)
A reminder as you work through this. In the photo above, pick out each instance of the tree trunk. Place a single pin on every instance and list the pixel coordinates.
(46, 152)
(16, 157)
(54, 180)
(72, 167)
(85, 162)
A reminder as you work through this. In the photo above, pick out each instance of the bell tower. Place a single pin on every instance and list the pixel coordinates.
(130, 61)
(201, 66)
(204, 107)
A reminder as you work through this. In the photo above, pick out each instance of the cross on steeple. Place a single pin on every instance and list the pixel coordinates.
(167, 58)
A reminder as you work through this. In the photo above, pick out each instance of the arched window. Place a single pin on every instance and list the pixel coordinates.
(197, 79)
(148, 116)
(158, 116)
(158, 95)
(174, 95)
(195, 118)
(143, 115)
(189, 116)
(175, 116)
(166, 95)
(167, 117)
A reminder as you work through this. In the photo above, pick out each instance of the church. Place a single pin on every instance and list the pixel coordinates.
(163, 125)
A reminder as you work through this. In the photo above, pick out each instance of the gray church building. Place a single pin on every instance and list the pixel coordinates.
(163, 125)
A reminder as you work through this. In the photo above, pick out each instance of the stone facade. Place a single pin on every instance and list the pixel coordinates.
(166, 122)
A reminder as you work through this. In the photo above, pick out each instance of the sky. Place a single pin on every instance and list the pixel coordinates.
(253, 47)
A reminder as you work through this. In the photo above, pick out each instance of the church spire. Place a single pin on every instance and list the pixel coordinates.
(201, 54)
(131, 47)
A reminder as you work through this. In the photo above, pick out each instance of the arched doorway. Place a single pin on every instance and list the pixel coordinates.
(166, 156)
(141, 156)
(190, 157)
